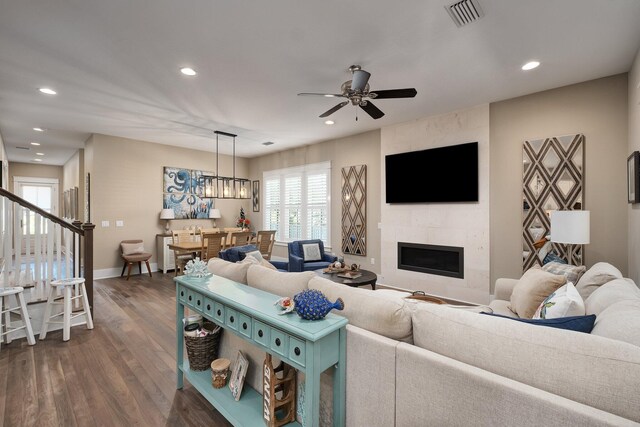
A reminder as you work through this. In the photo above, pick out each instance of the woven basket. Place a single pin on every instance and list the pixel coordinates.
(203, 350)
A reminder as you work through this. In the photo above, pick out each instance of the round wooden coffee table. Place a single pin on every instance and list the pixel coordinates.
(367, 278)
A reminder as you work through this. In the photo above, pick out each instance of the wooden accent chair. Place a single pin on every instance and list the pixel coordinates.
(182, 257)
(265, 241)
(239, 238)
(208, 230)
(212, 244)
(132, 251)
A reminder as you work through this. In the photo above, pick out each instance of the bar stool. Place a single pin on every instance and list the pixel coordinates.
(67, 286)
(21, 310)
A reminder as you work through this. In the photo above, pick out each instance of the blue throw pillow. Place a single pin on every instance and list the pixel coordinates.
(552, 257)
(572, 323)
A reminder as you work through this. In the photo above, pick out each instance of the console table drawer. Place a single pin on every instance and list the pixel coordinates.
(231, 318)
(191, 298)
(209, 308)
(218, 312)
(182, 294)
(198, 302)
(244, 325)
(279, 342)
(261, 333)
(297, 350)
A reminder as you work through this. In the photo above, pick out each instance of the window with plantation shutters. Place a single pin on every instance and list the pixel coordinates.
(297, 202)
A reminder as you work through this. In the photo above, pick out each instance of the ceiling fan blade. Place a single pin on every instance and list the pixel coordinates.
(334, 109)
(372, 110)
(393, 93)
(328, 95)
(359, 80)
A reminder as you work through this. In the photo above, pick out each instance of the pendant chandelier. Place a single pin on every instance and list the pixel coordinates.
(224, 187)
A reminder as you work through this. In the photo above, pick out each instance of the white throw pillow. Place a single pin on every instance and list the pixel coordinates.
(564, 302)
(311, 252)
(255, 254)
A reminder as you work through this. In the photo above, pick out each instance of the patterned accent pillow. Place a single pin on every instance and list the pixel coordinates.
(571, 272)
(573, 323)
(311, 252)
(564, 302)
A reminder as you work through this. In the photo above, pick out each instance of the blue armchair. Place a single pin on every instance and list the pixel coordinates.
(238, 253)
(297, 259)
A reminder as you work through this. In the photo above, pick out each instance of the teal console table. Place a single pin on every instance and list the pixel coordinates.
(309, 346)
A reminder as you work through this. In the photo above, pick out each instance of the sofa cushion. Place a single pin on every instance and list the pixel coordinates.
(564, 302)
(278, 282)
(532, 288)
(501, 307)
(571, 272)
(382, 313)
(599, 274)
(610, 293)
(235, 271)
(589, 369)
(570, 323)
(620, 321)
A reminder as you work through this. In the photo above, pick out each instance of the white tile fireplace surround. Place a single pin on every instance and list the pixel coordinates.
(464, 225)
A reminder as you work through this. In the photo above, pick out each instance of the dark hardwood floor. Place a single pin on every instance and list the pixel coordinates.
(122, 373)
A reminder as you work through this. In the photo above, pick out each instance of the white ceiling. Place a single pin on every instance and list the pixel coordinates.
(115, 65)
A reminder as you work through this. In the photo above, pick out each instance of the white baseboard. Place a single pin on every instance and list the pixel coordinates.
(106, 273)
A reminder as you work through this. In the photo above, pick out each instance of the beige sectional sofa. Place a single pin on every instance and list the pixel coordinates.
(419, 364)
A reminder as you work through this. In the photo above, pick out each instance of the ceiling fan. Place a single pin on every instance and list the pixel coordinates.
(357, 91)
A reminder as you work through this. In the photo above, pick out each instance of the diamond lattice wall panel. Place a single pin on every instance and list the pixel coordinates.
(354, 210)
(553, 179)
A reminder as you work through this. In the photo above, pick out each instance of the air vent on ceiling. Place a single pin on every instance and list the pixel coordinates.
(464, 12)
(268, 143)
(23, 148)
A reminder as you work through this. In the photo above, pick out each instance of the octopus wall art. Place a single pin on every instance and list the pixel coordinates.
(181, 192)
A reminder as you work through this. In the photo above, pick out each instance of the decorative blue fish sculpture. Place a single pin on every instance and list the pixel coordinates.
(313, 305)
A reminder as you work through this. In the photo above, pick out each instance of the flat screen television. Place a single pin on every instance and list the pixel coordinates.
(436, 175)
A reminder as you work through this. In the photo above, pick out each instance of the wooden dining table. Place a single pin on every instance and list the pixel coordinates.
(186, 246)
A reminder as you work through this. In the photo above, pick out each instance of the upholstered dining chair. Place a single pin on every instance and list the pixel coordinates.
(265, 240)
(239, 238)
(182, 257)
(132, 251)
(212, 244)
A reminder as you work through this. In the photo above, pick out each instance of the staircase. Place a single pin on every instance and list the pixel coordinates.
(37, 248)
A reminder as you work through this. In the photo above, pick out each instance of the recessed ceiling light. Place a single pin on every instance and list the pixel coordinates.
(38, 129)
(37, 160)
(530, 65)
(35, 143)
(329, 122)
(39, 154)
(188, 71)
(47, 91)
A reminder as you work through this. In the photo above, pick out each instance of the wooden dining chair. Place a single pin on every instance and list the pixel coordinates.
(212, 244)
(239, 238)
(182, 257)
(265, 241)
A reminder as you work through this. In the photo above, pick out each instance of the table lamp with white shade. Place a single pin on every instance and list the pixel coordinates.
(571, 228)
(214, 214)
(167, 214)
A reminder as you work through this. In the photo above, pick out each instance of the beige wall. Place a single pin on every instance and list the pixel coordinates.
(73, 176)
(596, 108)
(37, 171)
(359, 149)
(463, 225)
(634, 145)
(126, 184)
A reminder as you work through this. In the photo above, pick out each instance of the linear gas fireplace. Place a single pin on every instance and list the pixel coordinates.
(432, 259)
